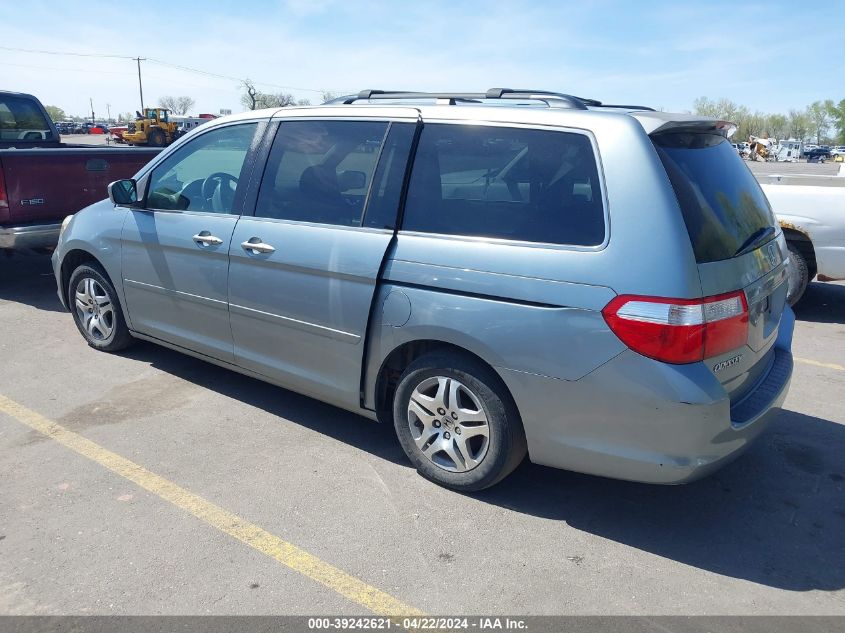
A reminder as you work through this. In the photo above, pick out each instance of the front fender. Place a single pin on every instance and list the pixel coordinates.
(95, 230)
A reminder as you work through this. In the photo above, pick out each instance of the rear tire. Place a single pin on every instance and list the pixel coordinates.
(461, 430)
(798, 274)
(96, 309)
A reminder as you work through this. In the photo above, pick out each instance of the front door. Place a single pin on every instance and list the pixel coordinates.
(175, 251)
(304, 268)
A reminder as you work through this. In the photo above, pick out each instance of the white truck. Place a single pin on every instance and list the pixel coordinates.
(811, 211)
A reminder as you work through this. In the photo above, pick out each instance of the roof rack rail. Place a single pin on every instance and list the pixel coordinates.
(552, 99)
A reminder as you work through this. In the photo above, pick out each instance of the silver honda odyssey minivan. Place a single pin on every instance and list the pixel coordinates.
(600, 287)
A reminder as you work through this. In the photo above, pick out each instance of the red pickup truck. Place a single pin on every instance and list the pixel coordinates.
(43, 180)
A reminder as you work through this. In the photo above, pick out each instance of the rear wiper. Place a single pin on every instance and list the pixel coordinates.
(754, 240)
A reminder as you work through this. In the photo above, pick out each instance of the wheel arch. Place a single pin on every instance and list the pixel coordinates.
(802, 241)
(70, 262)
(406, 353)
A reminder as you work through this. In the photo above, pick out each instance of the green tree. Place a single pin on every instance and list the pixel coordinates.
(704, 107)
(777, 126)
(721, 109)
(799, 124)
(837, 113)
(817, 120)
(819, 113)
(55, 112)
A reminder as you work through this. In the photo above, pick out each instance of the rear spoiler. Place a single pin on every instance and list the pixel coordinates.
(660, 122)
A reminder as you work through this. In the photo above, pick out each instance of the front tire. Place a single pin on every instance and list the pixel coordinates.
(157, 139)
(457, 423)
(96, 309)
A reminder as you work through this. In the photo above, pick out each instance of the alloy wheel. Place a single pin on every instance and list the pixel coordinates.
(448, 424)
(95, 309)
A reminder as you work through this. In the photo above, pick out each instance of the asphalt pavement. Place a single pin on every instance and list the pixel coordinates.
(149, 482)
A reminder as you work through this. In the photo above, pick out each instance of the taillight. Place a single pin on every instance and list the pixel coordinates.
(4, 200)
(679, 330)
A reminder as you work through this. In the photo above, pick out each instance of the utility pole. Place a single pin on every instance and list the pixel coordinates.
(91, 101)
(140, 85)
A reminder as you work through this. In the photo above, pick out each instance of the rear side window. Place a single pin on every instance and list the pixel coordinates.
(320, 171)
(722, 204)
(509, 183)
(22, 120)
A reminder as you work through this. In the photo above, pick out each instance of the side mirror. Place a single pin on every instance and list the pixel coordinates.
(348, 180)
(124, 193)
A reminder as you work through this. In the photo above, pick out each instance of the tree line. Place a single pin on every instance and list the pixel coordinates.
(253, 99)
(177, 105)
(821, 121)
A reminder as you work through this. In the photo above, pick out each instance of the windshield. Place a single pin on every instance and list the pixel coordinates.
(22, 120)
(722, 204)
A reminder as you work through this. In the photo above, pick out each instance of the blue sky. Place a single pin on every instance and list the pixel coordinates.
(770, 55)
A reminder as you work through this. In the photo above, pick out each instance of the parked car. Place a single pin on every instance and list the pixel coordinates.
(602, 287)
(817, 154)
(811, 211)
(42, 180)
(839, 150)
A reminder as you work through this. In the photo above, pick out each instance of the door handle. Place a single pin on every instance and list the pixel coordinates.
(256, 246)
(204, 237)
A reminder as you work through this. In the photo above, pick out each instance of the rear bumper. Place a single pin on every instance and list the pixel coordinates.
(29, 236)
(830, 261)
(642, 420)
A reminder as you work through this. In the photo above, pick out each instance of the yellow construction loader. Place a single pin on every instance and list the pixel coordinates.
(153, 128)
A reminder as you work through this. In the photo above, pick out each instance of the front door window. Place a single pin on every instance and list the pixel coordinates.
(202, 175)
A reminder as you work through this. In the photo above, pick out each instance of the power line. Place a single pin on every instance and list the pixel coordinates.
(43, 52)
(67, 69)
(109, 72)
(228, 77)
(166, 64)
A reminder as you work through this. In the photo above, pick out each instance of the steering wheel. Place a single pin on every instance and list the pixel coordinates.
(216, 190)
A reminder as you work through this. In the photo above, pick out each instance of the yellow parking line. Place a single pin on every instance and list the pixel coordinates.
(816, 363)
(256, 537)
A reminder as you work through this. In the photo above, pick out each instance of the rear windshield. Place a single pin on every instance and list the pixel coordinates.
(722, 203)
(22, 120)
